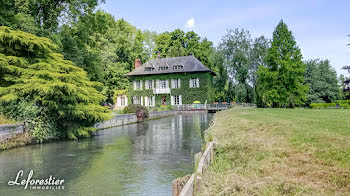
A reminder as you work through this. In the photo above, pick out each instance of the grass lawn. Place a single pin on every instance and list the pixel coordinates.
(280, 151)
(4, 120)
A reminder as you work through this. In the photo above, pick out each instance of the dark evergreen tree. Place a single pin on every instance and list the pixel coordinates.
(322, 81)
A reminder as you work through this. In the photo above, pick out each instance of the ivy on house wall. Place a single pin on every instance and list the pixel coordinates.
(205, 92)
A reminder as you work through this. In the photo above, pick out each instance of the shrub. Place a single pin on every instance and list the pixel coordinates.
(139, 110)
(342, 102)
(329, 105)
(163, 108)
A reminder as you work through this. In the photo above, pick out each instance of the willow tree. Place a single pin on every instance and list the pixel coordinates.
(65, 101)
(281, 81)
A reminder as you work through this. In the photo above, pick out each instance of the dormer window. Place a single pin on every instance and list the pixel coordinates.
(177, 67)
(163, 68)
(149, 68)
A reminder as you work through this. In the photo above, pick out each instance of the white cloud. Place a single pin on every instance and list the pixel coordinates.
(190, 23)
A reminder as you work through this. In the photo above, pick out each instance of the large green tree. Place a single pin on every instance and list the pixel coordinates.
(179, 43)
(258, 54)
(106, 48)
(43, 17)
(281, 81)
(322, 81)
(236, 47)
(65, 101)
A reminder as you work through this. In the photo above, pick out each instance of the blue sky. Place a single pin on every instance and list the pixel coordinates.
(320, 27)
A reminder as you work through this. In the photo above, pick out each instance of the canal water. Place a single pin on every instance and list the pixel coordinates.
(136, 159)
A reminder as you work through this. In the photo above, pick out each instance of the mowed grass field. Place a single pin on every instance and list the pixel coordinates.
(280, 152)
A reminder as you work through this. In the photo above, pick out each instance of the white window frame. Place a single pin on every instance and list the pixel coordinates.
(175, 83)
(137, 100)
(177, 100)
(150, 84)
(122, 101)
(162, 84)
(194, 83)
(138, 85)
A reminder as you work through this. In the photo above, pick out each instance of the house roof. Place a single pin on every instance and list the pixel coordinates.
(184, 64)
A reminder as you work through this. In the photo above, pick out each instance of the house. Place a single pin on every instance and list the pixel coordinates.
(170, 81)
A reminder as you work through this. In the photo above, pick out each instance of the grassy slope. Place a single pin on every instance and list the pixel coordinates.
(280, 151)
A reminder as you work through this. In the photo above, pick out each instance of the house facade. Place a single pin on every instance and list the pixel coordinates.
(170, 81)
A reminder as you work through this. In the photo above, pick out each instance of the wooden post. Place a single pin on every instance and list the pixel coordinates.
(175, 188)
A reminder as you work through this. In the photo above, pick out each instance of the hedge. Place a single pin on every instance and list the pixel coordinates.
(343, 105)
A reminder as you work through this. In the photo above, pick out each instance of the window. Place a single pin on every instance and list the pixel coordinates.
(163, 68)
(175, 83)
(163, 84)
(137, 100)
(177, 100)
(149, 101)
(177, 67)
(149, 68)
(137, 85)
(149, 84)
(122, 101)
(194, 82)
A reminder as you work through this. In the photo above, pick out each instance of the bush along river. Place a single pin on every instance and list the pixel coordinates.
(135, 159)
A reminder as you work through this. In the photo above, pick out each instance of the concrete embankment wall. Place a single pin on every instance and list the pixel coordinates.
(124, 119)
(7, 131)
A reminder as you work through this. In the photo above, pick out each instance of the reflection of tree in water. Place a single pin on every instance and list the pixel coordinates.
(141, 129)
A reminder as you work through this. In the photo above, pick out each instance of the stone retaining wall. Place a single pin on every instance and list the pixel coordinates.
(123, 119)
(7, 131)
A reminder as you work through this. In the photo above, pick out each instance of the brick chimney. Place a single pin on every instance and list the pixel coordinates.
(137, 63)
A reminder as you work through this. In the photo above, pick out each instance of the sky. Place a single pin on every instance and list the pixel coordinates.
(320, 27)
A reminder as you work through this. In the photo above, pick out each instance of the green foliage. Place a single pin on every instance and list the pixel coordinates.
(329, 105)
(139, 110)
(61, 92)
(281, 81)
(345, 86)
(178, 43)
(322, 80)
(43, 17)
(106, 48)
(239, 57)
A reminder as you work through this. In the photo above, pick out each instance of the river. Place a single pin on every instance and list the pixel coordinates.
(135, 159)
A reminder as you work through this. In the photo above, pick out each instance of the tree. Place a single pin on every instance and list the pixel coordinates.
(65, 100)
(236, 46)
(257, 57)
(178, 43)
(346, 84)
(149, 42)
(281, 82)
(43, 17)
(322, 81)
(106, 48)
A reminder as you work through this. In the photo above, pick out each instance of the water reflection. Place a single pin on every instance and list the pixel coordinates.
(137, 159)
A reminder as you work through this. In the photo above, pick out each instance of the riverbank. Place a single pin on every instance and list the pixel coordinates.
(279, 151)
(13, 135)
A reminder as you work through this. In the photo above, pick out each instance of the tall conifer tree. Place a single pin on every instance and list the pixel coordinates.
(281, 81)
